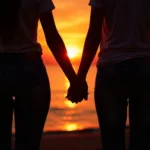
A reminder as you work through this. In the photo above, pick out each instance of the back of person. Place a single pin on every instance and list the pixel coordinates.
(123, 71)
(24, 82)
(8, 20)
(126, 29)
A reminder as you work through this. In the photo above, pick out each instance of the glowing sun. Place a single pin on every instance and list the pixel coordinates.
(73, 52)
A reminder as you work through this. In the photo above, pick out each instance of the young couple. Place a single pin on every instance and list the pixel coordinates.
(120, 27)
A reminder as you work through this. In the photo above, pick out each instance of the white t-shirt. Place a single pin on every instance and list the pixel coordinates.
(25, 37)
(125, 31)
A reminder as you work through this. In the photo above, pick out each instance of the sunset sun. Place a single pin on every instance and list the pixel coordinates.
(73, 52)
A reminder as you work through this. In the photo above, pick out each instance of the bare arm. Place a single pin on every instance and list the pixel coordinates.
(92, 41)
(56, 45)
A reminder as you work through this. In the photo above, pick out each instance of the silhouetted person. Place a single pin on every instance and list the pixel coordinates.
(24, 84)
(122, 29)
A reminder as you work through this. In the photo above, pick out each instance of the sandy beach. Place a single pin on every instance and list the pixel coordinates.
(87, 140)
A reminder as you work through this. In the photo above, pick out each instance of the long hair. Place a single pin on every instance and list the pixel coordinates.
(9, 10)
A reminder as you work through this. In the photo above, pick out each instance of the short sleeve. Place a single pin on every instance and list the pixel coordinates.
(46, 5)
(96, 3)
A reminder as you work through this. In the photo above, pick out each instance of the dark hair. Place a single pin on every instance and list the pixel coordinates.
(8, 18)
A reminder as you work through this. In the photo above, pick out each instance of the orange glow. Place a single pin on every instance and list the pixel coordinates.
(67, 118)
(70, 104)
(67, 84)
(73, 52)
(72, 25)
(71, 127)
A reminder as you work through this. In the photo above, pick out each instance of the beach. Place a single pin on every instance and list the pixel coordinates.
(79, 140)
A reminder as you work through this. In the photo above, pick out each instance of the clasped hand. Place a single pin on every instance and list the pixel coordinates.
(77, 91)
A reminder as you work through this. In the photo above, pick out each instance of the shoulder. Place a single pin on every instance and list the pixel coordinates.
(38, 5)
(96, 3)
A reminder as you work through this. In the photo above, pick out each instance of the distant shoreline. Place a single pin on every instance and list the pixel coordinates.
(88, 130)
(83, 131)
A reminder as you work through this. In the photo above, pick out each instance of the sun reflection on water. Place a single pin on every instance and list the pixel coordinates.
(70, 104)
(72, 127)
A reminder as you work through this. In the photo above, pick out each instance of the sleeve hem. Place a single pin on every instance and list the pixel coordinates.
(95, 5)
(48, 9)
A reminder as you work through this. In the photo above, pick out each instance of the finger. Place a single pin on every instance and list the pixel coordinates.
(76, 100)
(86, 96)
(67, 95)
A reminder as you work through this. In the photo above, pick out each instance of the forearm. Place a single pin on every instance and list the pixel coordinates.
(59, 51)
(90, 48)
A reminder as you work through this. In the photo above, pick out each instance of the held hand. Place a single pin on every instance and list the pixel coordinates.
(78, 91)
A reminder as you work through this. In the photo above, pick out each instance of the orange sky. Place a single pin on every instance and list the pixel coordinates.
(72, 20)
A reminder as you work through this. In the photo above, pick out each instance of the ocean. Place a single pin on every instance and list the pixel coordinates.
(64, 115)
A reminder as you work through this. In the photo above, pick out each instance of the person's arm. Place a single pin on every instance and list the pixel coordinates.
(92, 41)
(56, 45)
